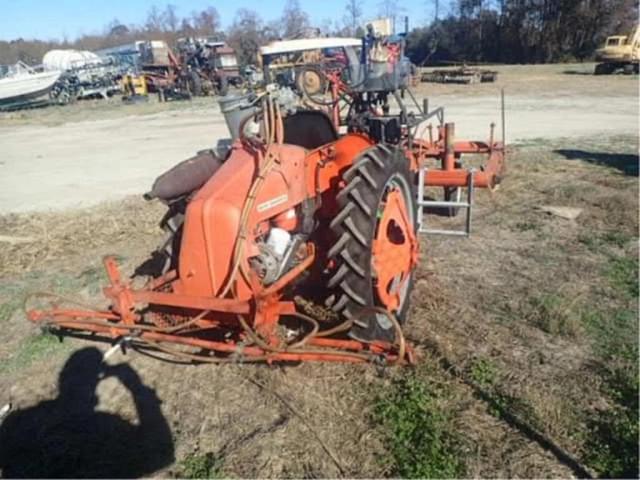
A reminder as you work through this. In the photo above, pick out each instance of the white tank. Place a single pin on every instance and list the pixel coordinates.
(68, 59)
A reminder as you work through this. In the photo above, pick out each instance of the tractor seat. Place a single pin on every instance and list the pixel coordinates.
(309, 129)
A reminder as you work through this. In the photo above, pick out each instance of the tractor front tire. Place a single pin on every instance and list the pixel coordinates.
(353, 280)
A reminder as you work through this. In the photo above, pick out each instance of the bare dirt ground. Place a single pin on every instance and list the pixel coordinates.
(519, 328)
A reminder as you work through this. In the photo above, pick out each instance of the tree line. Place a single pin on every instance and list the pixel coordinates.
(503, 31)
(520, 31)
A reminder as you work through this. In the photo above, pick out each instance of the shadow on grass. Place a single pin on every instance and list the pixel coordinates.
(577, 72)
(67, 437)
(627, 163)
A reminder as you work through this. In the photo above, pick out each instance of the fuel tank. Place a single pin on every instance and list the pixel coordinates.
(185, 177)
(212, 220)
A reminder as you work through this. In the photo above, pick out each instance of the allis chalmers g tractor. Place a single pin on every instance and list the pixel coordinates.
(302, 242)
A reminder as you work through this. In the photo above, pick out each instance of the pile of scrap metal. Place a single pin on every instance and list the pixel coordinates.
(200, 68)
(212, 66)
(162, 71)
(463, 75)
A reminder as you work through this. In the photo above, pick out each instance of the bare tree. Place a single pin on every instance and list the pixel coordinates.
(390, 9)
(206, 22)
(246, 34)
(294, 20)
(353, 15)
(170, 18)
(433, 6)
(155, 20)
(186, 28)
(116, 29)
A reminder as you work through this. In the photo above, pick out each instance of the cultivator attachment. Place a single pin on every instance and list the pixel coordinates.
(218, 330)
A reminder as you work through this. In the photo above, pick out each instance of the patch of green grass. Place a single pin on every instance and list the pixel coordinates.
(31, 349)
(623, 275)
(567, 192)
(483, 372)
(418, 430)
(553, 314)
(7, 309)
(596, 242)
(592, 242)
(12, 297)
(527, 226)
(205, 465)
(614, 334)
(618, 239)
(612, 445)
(93, 278)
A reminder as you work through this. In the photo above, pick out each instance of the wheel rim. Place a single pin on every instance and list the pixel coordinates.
(395, 247)
(311, 82)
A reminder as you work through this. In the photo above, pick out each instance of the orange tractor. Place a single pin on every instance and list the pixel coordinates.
(302, 242)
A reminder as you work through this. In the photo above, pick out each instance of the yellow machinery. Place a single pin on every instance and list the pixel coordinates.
(133, 85)
(619, 52)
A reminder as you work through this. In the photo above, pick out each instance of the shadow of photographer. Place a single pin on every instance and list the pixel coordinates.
(67, 437)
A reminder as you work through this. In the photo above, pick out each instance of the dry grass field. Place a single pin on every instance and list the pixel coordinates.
(527, 332)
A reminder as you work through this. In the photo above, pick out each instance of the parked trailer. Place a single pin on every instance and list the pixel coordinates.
(462, 75)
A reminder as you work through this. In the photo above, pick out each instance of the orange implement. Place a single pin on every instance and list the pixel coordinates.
(295, 215)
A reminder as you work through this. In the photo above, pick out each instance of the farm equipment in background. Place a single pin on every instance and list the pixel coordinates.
(85, 75)
(163, 72)
(302, 242)
(212, 66)
(621, 52)
(298, 64)
(200, 68)
(134, 88)
(463, 75)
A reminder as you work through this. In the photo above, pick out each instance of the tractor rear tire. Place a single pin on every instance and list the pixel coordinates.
(352, 279)
(195, 84)
(223, 86)
(310, 81)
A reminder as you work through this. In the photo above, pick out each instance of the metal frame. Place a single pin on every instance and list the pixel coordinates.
(124, 323)
(422, 204)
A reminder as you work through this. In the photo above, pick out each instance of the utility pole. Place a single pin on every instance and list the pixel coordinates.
(437, 5)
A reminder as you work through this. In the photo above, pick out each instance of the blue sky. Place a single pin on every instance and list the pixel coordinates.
(54, 19)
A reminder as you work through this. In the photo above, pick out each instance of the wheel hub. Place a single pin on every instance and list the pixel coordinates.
(395, 250)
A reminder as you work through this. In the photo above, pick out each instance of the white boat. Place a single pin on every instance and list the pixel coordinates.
(23, 83)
